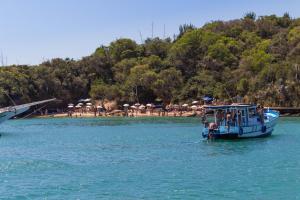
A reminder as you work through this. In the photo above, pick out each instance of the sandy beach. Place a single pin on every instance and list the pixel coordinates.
(121, 113)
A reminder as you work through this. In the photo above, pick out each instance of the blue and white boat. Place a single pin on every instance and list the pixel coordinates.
(238, 121)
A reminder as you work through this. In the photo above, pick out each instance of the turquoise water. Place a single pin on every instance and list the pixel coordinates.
(144, 159)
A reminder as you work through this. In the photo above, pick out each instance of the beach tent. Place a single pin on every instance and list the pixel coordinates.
(208, 99)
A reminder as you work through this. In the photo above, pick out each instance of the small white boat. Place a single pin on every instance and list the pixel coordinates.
(238, 121)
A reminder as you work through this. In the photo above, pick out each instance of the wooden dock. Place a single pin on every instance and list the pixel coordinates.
(287, 110)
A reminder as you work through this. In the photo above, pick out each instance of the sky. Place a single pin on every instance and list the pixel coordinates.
(33, 31)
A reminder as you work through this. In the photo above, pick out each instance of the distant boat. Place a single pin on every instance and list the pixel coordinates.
(12, 111)
(238, 121)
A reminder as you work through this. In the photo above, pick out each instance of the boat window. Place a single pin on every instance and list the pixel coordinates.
(252, 112)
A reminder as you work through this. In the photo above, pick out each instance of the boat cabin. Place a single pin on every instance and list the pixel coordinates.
(233, 115)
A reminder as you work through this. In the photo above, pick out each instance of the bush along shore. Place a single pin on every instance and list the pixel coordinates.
(255, 58)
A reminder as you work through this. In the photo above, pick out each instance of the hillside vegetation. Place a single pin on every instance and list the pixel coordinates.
(257, 58)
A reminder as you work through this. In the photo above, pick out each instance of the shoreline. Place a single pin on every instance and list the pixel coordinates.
(120, 114)
(91, 115)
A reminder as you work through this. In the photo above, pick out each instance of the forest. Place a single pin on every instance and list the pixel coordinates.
(256, 58)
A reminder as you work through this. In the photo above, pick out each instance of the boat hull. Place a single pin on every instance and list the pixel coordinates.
(254, 131)
(237, 136)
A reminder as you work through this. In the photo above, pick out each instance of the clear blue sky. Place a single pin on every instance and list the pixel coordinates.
(35, 30)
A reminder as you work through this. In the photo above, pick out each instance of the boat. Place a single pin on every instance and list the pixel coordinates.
(12, 111)
(238, 121)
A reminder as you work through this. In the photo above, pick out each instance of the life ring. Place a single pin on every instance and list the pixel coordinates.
(241, 131)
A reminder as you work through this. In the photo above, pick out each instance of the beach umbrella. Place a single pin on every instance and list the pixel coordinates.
(137, 104)
(133, 107)
(194, 107)
(86, 100)
(208, 99)
(70, 106)
(78, 106)
(126, 105)
(88, 104)
(185, 105)
(149, 105)
(142, 107)
(99, 107)
(195, 102)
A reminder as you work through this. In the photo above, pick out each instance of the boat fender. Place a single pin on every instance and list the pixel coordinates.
(241, 131)
(263, 129)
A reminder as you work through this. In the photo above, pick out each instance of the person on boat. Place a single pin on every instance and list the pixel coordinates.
(239, 118)
(234, 116)
(261, 114)
(228, 120)
(219, 117)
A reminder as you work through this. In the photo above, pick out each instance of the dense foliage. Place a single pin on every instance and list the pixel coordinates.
(254, 58)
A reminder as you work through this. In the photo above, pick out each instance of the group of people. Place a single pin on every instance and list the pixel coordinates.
(231, 118)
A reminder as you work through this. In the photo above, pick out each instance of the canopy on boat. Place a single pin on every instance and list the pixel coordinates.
(222, 107)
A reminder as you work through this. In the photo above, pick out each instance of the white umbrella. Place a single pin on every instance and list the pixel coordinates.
(185, 105)
(149, 105)
(88, 104)
(133, 107)
(126, 105)
(87, 100)
(70, 106)
(99, 107)
(142, 107)
(78, 106)
(194, 107)
(195, 102)
(137, 104)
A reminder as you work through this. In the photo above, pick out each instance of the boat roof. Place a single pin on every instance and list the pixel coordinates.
(217, 107)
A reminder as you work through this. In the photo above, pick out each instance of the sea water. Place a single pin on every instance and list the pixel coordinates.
(150, 158)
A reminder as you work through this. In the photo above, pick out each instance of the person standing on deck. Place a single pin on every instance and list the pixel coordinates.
(239, 117)
(228, 120)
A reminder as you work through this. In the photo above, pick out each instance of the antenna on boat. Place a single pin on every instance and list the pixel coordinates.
(10, 98)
